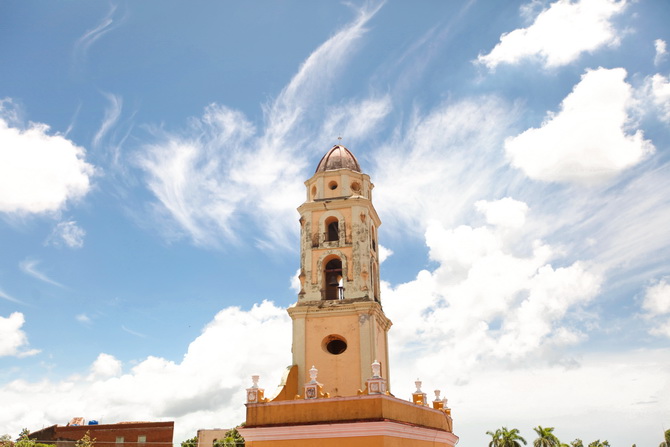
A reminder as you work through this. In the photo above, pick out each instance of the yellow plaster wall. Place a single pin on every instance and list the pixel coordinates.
(337, 373)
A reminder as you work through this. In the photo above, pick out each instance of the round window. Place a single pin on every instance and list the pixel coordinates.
(313, 191)
(332, 185)
(356, 187)
(335, 344)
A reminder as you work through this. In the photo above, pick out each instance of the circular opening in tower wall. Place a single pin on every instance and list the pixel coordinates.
(335, 344)
(332, 185)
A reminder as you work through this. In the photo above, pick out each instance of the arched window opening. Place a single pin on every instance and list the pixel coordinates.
(332, 229)
(333, 276)
(372, 239)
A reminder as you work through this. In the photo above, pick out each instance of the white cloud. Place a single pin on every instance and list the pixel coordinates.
(39, 172)
(484, 304)
(209, 177)
(83, 318)
(112, 114)
(12, 339)
(559, 34)
(656, 303)
(428, 168)
(505, 212)
(354, 121)
(83, 44)
(587, 141)
(661, 51)
(384, 253)
(8, 297)
(67, 233)
(657, 298)
(656, 92)
(105, 366)
(29, 266)
(232, 347)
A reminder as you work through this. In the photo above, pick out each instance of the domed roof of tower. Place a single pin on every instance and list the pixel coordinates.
(339, 157)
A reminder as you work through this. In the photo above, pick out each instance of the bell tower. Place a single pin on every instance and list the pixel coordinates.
(338, 322)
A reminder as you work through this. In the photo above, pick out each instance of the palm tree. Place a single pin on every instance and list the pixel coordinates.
(495, 438)
(546, 437)
(665, 443)
(510, 438)
(599, 443)
(577, 443)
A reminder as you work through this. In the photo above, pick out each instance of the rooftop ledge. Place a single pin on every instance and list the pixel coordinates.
(366, 408)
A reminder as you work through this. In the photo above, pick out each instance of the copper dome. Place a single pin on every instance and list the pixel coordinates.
(338, 157)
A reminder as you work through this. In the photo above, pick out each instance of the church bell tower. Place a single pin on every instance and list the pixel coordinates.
(338, 322)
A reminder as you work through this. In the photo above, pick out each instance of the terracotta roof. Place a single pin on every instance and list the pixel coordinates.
(339, 157)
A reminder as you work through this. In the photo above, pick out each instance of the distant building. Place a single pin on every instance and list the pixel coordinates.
(122, 434)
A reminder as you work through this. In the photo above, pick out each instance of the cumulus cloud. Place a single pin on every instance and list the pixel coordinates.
(105, 366)
(39, 172)
(656, 96)
(232, 347)
(205, 177)
(587, 141)
(13, 340)
(661, 51)
(559, 34)
(656, 303)
(505, 212)
(68, 234)
(484, 304)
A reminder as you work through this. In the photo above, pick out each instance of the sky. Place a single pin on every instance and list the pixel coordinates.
(153, 154)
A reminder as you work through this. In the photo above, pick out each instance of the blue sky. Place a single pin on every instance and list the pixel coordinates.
(152, 156)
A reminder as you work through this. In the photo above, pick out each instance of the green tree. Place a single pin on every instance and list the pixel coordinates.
(599, 443)
(510, 438)
(233, 438)
(193, 442)
(24, 440)
(577, 443)
(665, 443)
(6, 441)
(546, 437)
(495, 438)
(85, 441)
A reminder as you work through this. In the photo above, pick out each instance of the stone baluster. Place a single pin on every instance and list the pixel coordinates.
(255, 394)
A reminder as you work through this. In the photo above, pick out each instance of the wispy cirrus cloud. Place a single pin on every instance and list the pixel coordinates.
(559, 34)
(29, 266)
(132, 332)
(84, 43)
(204, 178)
(67, 233)
(8, 297)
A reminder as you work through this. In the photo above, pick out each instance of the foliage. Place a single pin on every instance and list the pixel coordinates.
(665, 443)
(193, 442)
(85, 441)
(233, 438)
(577, 443)
(6, 441)
(599, 443)
(545, 437)
(495, 438)
(505, 438)
(24, 440)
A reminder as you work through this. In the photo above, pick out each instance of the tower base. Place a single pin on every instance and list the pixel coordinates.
(366, 421)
